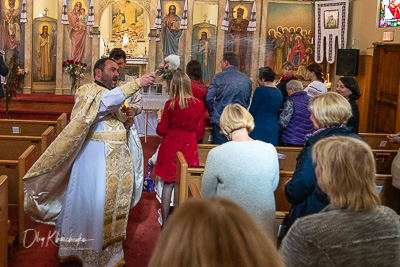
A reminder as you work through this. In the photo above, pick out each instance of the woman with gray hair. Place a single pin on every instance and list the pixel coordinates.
(354, 230)
(243, 170)
(294, 120)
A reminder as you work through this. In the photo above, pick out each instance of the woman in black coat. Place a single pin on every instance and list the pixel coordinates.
(287, 69)
(348, 87)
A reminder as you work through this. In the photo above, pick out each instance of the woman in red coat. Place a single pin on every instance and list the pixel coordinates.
(199, 89)
(181, 125)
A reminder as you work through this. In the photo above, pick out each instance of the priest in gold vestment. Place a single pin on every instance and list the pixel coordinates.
(83, 182)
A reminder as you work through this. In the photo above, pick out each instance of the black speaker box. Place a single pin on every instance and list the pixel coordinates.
(347, 62)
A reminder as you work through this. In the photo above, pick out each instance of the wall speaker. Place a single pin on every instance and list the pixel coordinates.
(347, 62)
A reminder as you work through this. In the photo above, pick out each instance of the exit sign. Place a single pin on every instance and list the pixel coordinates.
(388, 36)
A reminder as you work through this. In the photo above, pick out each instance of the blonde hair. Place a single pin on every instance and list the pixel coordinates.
(330, 109)
(288, 64)
(181, 89)
(346, 172)
(212, 233)
(235, 117)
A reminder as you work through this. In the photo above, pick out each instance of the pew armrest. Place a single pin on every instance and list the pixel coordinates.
(194, 191)
(61, 123)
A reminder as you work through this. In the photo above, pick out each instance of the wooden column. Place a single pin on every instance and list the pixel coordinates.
(95, 42)
(188, 35)
(27, 89)
(60, 51)
(258, 45)
(263, 34)
(152, 43)
(219, 52)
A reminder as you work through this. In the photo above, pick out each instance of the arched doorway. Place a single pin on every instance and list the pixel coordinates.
(125, 24)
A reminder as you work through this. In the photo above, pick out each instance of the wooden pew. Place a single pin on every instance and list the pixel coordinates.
(378, 141)
(194, 191)
(184, 176)
(31, 127)
(16, 169)
(388, 193)
(207, 139)
(203, 152)
(280, 199)
(191, 176)
(288, 157)
(15, 145)
(384, 159)
(3, 220)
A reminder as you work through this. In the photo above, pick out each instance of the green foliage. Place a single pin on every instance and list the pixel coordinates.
(14, 79)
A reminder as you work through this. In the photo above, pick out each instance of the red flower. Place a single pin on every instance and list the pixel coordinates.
(64, 63)
(76, 62)
(85, 65)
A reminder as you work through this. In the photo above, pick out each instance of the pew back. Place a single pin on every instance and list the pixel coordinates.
(16, 145)
(31, 127)
(203, 152)
(188, 180)
(384, 159)
(280, 199)
(208, 137)
(3, 220)
(185, 176)
(378, 141)
(288, 157)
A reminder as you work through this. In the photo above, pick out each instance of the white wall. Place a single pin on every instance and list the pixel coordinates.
(40, 6)
(363, 26)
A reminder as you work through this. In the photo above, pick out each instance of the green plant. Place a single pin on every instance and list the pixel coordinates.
(14, 78)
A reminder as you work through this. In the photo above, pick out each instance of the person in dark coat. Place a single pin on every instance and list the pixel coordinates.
(329, 114)
(3, 72)
(287, 69)
(348, 87)
(294, 120)
(267, 100)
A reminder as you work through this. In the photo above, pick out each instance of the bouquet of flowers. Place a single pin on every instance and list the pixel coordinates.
(166, 74)
(14, 78)
(167, 68)
(75, 70)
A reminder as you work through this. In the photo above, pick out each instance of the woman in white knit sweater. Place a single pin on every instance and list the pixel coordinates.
(243, 170)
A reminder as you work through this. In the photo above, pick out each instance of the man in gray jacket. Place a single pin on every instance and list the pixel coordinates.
(228, 86)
